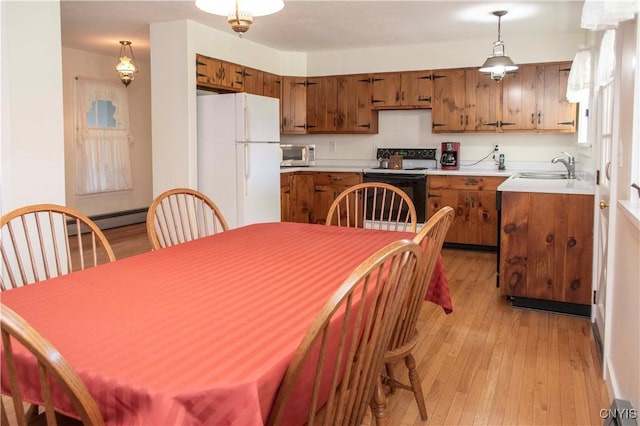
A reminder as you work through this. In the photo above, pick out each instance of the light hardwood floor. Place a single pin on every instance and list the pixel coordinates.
(486, 363)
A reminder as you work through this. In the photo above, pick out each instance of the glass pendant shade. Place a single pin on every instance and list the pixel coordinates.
(498, 64)
(127, 65)
(240, 13)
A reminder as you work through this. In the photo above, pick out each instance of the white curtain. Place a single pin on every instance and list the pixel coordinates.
(102, 153)
(580, 81)
(603, 14)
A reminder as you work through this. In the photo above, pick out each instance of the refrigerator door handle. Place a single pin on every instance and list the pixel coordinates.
(247, 123)
(247, 169)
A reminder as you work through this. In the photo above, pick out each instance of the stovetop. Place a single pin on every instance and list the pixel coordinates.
(416, 161)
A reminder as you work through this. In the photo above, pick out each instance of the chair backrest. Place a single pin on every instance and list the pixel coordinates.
(332, 376)
(181, 215)
(430, 238)
(373, 205)
(50, 364)
(47, 240)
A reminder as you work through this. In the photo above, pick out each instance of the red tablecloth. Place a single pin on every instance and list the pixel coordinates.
(202, 332)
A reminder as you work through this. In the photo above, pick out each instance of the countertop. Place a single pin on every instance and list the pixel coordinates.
(585, 184)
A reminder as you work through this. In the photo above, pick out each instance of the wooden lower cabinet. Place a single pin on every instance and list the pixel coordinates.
(473, 199)
(307, 196)
(546, 246)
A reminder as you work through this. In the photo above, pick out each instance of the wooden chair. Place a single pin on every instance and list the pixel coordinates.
(51, 364)
(405, 335)
(181, 215)
(373, 205)
(336, 368)
(47, 240)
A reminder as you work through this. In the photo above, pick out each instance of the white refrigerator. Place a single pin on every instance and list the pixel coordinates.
(239, 156)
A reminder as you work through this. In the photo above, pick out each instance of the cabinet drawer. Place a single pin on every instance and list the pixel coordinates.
(340, 178)
(480, 183)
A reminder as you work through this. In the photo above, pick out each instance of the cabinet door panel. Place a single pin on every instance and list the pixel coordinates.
(448, 106)
(354, 110)
(544, 252)
(285, 198)
(487, 218)
(302, 197)
(271, 84)
(578, 245)
(386, 90)
(514, 243)
(253, 81)
(482, 102)
(556, 112)
(293, 105)
(416, 89)
(519, 99)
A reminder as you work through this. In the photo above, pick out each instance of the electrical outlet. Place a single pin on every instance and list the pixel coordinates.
(495, 148)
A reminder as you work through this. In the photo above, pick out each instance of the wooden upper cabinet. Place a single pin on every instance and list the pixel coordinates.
(417, 89)
(386, 89)
(555, 111)
(404, 89)
(482, 102)
(271, 85)
(217, 74)
(322, 98)
(253, 81)
(449, 99)
(354, 108)
(519, 106)
(293, 105)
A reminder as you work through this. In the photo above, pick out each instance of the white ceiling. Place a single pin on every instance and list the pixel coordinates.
(303, 25)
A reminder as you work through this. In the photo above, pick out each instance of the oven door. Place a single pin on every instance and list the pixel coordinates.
(415, 186)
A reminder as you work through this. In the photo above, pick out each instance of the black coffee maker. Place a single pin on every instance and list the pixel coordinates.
(450, 158)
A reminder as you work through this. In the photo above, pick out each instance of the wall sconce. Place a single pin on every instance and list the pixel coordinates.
(127, 65)
(498, 64)
(240, 13)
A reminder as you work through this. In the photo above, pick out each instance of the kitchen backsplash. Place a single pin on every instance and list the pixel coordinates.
(412, 129)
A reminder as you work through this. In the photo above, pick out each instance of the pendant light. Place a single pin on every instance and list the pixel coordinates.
(240, 13)
(127, 65)
(498, 64)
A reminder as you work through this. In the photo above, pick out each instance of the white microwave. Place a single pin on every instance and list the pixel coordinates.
(297, 155)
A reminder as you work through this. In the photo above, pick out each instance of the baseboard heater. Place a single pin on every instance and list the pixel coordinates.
(115, 219)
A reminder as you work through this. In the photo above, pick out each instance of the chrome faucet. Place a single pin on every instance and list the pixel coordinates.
(570, 164)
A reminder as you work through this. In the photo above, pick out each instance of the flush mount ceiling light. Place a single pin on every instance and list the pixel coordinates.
(127, 65)
(498, 64)
(240, 13)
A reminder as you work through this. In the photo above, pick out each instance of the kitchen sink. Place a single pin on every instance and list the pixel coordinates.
(541, 175)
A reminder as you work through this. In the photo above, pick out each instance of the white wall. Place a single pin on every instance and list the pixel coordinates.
(90, 65)
(173, 86)
(32, 130)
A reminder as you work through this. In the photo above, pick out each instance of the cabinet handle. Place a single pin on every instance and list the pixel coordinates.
(301, 126)
(494, 124)
(433, 195)
(567, 123)
(397, 96)
(506, 123)
(425, 99)
(199, 63)
(368, 125)
(539, 118)
(466, 120)
(437, 125)
(461, 118)
(375, 101)
(533, 118)
(402, 96)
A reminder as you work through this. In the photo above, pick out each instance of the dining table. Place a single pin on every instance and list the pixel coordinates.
(199, 333)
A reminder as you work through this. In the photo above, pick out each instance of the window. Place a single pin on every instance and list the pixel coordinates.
(102, 137)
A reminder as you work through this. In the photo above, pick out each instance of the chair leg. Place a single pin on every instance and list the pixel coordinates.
(380, 404)
(390, 380)
(414, 378)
